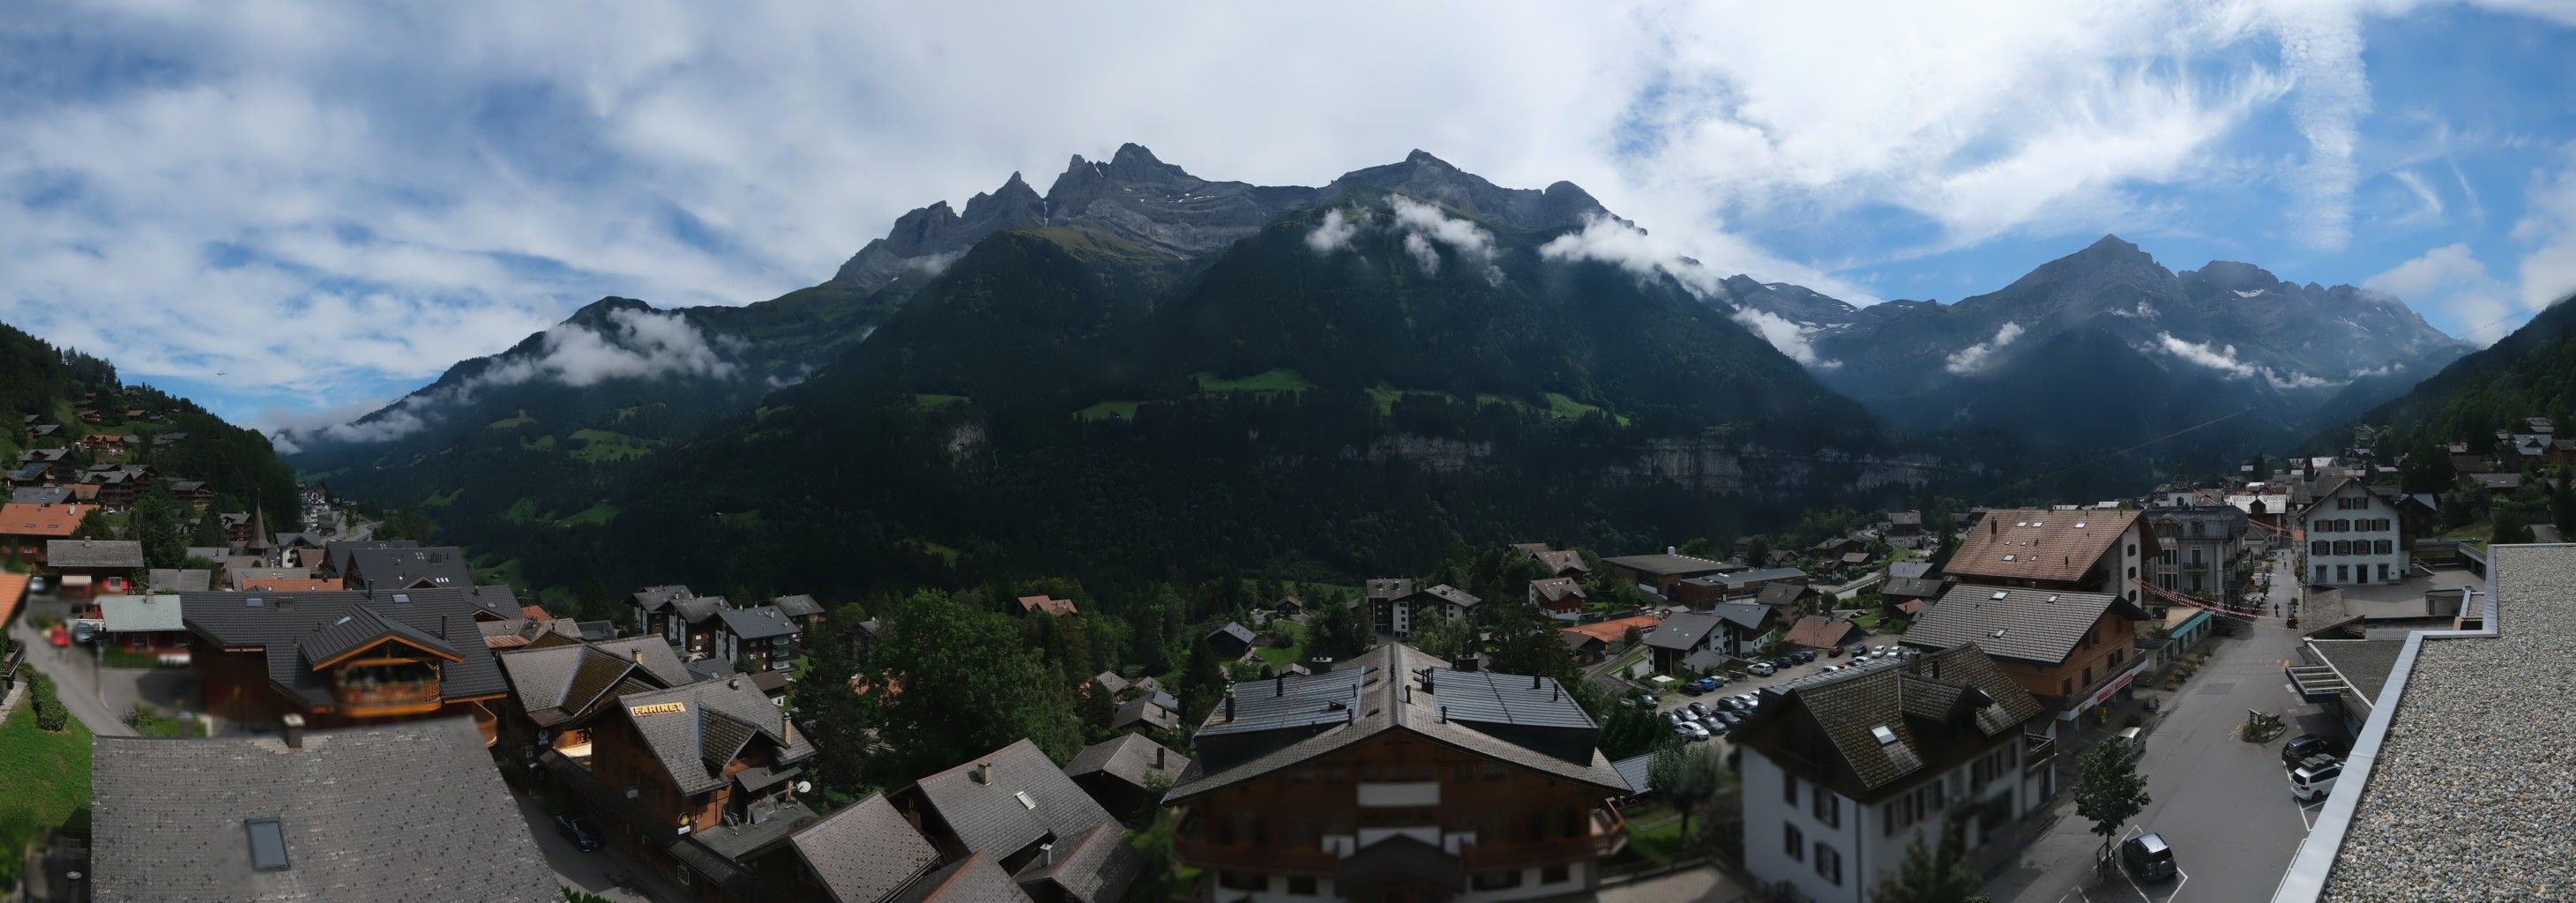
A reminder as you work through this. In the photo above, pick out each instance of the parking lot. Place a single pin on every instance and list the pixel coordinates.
(1740, 683)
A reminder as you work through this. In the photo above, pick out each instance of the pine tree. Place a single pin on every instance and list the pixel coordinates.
(1928, 875)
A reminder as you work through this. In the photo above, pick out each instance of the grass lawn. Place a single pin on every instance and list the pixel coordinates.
(515, 422)
(154, 724)
(932, 400)
(595, 514)
(442, 500)
(1654, 833)
(602, 446)
(1282, 656)
(47, 776)
(1280, 380)
(542, 444)
(522, 511)
(926, 547)
(1108, 410)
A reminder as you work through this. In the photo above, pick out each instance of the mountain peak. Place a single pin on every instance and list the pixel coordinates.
(1420, 156)
(1133, 154)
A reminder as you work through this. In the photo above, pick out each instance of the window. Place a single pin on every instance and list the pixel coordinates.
(1789, 788)
(1828, 808)
(267, 844)
(2321, 574)
(1795, 840)
(1497, 880)
(2383, 547)
(2383, 573)
(1554, 874)
(1829, 863)
(1301, 885)
(2066, 687)
(2343, 573)
(2319, 547)
(1242, 881)
(2088, 675)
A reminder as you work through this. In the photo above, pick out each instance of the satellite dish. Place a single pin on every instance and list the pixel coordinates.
(804, 786)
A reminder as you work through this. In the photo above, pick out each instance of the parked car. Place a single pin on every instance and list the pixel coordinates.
(1695, 732)
(83, 632)
(578, 829)
(1731, 718)
(1697, 710)
(1762, 669)
(1806, 656)
(1711, 683)
(38, 584)
(2148, 858)
(1858, 650)
(1692, 689)
(2305, 745)
(2315, 777)
(58, 636)
(1836, 652)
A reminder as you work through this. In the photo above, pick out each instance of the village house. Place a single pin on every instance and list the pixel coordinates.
(1704, 591)
(1123, 773)
(87, 568)
(1683, 642)
(2200, 547)
(382, 812)
(1504, 793)
(653, 606)
(403, 567)
(346, 657)
(1593, 642)
(1822, 633)
(1156, 710)
(763, 634)
(1014, 809)
(1396, 605)
(801, 609)
(1561, 596)
(697, 777)
(1841, 773)
(2354, 537)
(2073, 651)
(2100, 551)
(1033, 604)
(1559, 563)
(144, 625)
(557, 691)
(27, 530)
(1230, 642)
(1658, 575)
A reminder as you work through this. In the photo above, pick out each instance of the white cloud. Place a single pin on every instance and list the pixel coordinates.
(2548, 228)
(2223, 359)
(1333, 234)
(2450, 278)
(2423, 192)
(2381, 370)
(1783, 335)
(1977, 357)
(1423, 224)
(1640, 253)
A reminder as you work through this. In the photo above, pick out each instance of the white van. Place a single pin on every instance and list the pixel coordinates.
(2130, 737)
(2314, 778)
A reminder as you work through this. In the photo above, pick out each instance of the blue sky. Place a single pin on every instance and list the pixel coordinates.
(294, 212)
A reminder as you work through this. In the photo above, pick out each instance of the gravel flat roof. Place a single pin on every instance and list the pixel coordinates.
(2469, 797)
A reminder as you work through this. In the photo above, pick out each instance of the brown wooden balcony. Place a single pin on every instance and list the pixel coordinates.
(1247, 857)
(379, 698)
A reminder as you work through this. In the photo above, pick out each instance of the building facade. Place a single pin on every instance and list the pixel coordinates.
(2353, 538)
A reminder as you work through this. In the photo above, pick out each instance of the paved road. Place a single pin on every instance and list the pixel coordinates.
(1703, 884)
(70, 667)
(2221, 802)
(602, 871)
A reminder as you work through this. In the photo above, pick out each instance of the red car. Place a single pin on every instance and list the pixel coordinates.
(58, 636)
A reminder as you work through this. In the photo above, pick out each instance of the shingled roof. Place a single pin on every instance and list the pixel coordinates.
(2040, 545)
(438, 567)
(43, 520)
(2032, 625)
(1927, 703)
(974, 879)
(93, 553)
(1001, 802)
(1128, 757)
(798, 606)
(1275, 724)
(757, 623)
(288, 627)
(864, 853)
(715, 721)
(407, 811)
(556, 684)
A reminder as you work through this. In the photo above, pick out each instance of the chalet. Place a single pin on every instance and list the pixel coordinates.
(763, 634)
(1743, 629)
(1122, 774)
(1681, 634)
(1790, 601)
(694, 625)
(2074, 651)
(27, 531)
(1029, 605)
(1701, 592)
(193, 493)
(2200, 547)
(1230, 642)
(1155, 710)
(2086, 551)
(1833, 548)
(558, 691)
(1505, 794)
(1658, 575)
(92, 567)
(1013, 811)
(1843, 772)
(653, 606)
(1558, 596)
(698, 777)
(1904, 524)
(106, 442)
(346, 657)
(120, 487)
(145, 625)
(402, 568)
(1906, 596)
(1565, 563)
(2354, 537)
(1449, 602)
(417, 813)
(1395, 604)
(236, 526)
(864, 640)
(801, 609)
(1822, 633)
(40, 495)
(864, 853)
(1109, 682)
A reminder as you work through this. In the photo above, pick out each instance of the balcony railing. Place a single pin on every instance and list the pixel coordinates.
(386, 697)
(2038, 752)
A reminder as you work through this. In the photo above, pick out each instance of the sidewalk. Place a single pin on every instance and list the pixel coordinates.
(70, 667)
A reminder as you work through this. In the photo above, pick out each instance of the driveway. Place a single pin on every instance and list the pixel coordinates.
(612, 871)
(74, 670)
(2223, 804)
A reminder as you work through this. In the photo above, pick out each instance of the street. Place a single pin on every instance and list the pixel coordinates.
(2221, 803)
(71, 669)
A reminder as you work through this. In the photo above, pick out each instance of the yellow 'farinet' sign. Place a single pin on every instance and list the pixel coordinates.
(660, 707)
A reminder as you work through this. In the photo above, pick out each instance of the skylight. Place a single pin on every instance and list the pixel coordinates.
(1885, 737)
(2008, 558)
(254, 602)
(2000, 594)
(402, 598)
(267, 844)
(1999, 633)
(2079, 525)
(1024, 798)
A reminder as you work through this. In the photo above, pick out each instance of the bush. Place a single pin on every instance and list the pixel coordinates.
(50, 715)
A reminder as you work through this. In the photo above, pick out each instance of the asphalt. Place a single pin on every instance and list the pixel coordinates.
(72, 669)
(2222, 803)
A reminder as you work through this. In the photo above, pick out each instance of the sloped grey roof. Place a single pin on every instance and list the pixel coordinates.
(1749, 617)
(758, 623)
(545, 679)
(168, 817)
(1357, 701)
(1110, 681)
(989, 816)
(1145, 710)
(1911, 588)
(1909, 569)
(1235, 630)
(656, 598)
(360, 628)
(697, 609)
(713, 716)
(93, 553)
(974, 879)
(140, 614)
(798, 606)
(2038, 625)
(340, 552)
(171, 580)
(435, 567)
(1454, 596)
(1389, 588)
(1959, 685)
(1096, 867)
(1637, 770)
(1666, 564)
(1128, 757)
(281, 620)
(1682, 630)
(865, 852)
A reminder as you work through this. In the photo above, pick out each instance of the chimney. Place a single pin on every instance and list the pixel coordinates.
(982, 774)
(786, 730)
(1229, 706)
(292, 727)
(1534, 681)
(1444, 714)
(1158, 757)
(734, 682)
(636, 654)
(1279, 686)
(1426, 682)
(1672, 550)
(1046, 853)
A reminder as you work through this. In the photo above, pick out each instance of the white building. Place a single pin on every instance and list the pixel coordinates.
(1842, 772)
(2353, 537)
